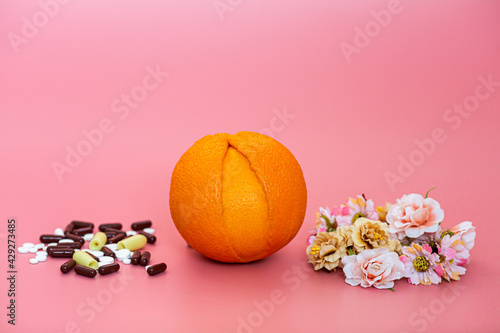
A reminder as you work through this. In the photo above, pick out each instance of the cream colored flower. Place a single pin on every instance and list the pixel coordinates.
(370, 234)
(394, 245)
(326, 251)
(345, 234)
(382, 211)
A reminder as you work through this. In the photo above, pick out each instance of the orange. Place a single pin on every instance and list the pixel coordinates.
(237, 198)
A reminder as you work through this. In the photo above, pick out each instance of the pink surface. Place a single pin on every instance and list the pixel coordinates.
(354, 115)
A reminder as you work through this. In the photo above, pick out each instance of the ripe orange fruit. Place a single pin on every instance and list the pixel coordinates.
(237, 198)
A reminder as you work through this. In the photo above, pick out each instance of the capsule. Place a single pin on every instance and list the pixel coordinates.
(68, 266)
(81, 224)
(82, 231)
(136, 257)
(110, 232)
(73, 245)
(133, 243)
(141, 225)
(93, 256)
(107, 252)
(60, 252)
(105, 226)
(151, 238)
(156, 269)
(108, 269)
(75, 238)
(69, 228)
(145, 258)
(116, 238)
(85, 271)
(50, 238)
(98, 241)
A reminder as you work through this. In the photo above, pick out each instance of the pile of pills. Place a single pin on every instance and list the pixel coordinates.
(105, 247)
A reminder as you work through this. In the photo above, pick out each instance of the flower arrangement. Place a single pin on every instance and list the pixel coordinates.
(376, 246)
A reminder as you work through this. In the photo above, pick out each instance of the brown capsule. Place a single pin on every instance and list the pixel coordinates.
(151, 238)
(81, 224)
(93, 256)
(73, 245)
(68, 266)
(108, 269)
(50, 238)
(110, 232)
(60, 252)
(145, 258)
(85, 271)
(105, 226)
(69, 228)
(136, 257)
(141, 225)
(116, 239)
(108, 252)
(75, 238)
(157, 268)
(82, 231)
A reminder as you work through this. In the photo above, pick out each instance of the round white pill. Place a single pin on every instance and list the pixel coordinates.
(33, 261)
(131, 233)
(98, 253)
(39, 246)
(126, 261)
(122, 254)
(149, 230)
(28, 245)
(107, 259)
(23, 249)
(41, 259)
(112, 247)
(41, 254)
(147, 266)
(33, 250)
(59, 232)
(66, 240)
(52, 244)
(100, 263)
(88, 237)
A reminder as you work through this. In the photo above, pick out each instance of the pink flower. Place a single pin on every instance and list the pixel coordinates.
(412, 216)
(455, 255)
(355, 208)
(466, 232)
(378, 268)
(421, 265)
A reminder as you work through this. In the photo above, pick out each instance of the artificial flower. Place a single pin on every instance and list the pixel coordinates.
(369, 234)
(394, 245)
(326, 251)
(378, 268)
(382, 211)
(345, 234)
(355, 208)
(421, 265)
(466, 232)
(454, 254)
(413, 215)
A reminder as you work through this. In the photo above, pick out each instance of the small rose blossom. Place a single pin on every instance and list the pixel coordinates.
(378, 268)
(467, 233)
(413, 215)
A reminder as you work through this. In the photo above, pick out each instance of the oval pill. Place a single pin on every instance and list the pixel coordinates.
(131, 233)
(140, 225)
(68, 266)
(59, 232)
(23, 249)
(106, 259)
(33, 261)
(85, 271)
(122, 254)
(33, 250)
(41, 259)
(28, 245)
(126, 261)
(104, 226)
(98, 253)
(112, 247)
(157, 269)
(149, 230)
(108, 269)
(39, 246)
(88, 237)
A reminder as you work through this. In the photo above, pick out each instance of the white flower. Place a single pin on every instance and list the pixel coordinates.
(466, 232)
(412, 216)
(378, 268)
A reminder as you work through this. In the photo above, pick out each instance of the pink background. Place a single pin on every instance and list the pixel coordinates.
(354, 118)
